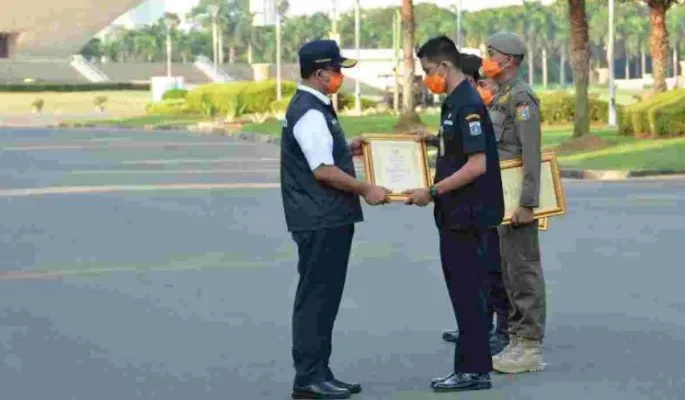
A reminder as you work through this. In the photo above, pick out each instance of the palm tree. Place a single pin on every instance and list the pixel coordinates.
(408, 118)
(659, 41)
(561, 36)
(580, 63)
(676, 23)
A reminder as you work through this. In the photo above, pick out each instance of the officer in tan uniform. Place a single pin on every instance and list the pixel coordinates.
(515, 115)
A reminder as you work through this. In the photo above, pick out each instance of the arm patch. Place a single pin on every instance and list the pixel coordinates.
(522, 112)
(473, 117)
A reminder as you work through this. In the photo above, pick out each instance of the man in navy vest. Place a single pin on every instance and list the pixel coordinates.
(468, 202)
(321, 201)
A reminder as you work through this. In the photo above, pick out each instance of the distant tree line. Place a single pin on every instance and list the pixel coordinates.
(545, 28)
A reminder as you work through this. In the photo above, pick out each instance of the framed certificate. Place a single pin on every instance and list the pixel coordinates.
(396, 161)
(552, 200)
(542, 224)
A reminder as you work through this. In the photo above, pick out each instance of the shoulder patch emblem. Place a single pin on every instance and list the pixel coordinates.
(522, 112)
(474, 128)
(473, 117)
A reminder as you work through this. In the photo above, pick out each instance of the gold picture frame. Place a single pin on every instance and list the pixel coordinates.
(542, 223)
(377, 148)
(552, 198)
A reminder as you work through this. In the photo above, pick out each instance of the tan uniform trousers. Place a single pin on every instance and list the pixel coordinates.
(523, 280)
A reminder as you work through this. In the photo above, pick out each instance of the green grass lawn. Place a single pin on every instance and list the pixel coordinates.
(148, 120)
(621, 152)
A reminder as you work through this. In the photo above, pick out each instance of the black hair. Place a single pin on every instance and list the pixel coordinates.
(518, 60)
(306, 73)
(439, 49)
(470, 65)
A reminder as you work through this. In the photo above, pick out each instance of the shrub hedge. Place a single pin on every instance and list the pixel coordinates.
(236, 98)
(658, 116)
(559, 107)
(79, 87)
(174, 94)
(169, 107)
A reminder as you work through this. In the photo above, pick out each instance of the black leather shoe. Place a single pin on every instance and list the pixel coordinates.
(461, 382)
(498, 341)
(451, 336)
(354, 388)
(322, 390)
(436, 380)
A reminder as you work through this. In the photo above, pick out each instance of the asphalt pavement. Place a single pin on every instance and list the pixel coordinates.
(149, 265)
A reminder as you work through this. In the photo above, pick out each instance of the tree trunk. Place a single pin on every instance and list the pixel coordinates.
(627, 68)
(231, 55)
(221, 48)
(675, 64)
(544, 68)
(659, 42)
(643, 61)
(408, 117)
(562, 66)
(580, 64)
(531, 63)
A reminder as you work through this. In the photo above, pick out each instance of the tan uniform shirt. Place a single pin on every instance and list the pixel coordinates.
(515, 116)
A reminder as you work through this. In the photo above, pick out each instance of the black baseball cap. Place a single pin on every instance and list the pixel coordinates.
(320, 54)
(471, 65)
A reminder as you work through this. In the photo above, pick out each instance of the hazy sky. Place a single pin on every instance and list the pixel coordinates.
(299, 7)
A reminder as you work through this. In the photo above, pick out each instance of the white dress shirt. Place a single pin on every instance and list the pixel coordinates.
(312, 134)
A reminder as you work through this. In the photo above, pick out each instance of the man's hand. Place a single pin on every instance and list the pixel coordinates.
(375, 195)
(522, 216)
(356, 147)
(419, 197)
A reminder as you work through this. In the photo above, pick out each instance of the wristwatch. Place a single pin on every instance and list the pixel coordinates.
(433, 192)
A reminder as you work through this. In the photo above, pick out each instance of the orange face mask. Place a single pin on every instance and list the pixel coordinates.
(335, 82)
(435, 83)
(491, 69)
(486, 94)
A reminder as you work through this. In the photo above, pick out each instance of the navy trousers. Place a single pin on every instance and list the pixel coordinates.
(322, 266)
(465, 267)
(498, 301)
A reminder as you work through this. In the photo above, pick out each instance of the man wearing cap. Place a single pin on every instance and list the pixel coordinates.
(321, 202)
(468, 201)
(515, 115)
(498, 302)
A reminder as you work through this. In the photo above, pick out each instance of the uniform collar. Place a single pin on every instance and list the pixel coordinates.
(324, 99)
(454, 97)
(510, 82)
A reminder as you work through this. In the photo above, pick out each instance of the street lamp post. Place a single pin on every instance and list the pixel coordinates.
(279, 90)
(357, 88)
(458, 24)
(396, 61)
(168, 21)
(610, 57)
(334, 36)
(214, 11)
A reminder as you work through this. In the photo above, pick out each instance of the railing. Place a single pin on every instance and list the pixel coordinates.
(206, 66)
(87, 69)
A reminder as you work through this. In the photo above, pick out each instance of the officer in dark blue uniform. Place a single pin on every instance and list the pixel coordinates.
(498, 301)
(321, 202)
(468, 202)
